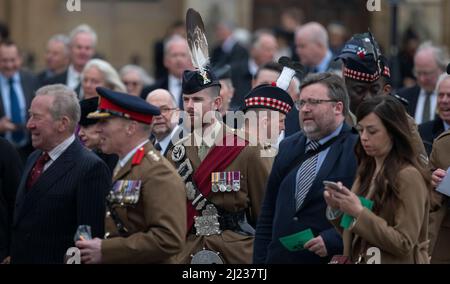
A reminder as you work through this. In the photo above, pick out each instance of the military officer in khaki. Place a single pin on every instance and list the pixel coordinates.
(225, 178)
(439, 228)
(146, 220)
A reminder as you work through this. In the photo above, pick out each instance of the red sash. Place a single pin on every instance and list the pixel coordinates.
(217, 160)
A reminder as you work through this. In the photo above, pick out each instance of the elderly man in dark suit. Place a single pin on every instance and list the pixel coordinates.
(17, 88)
(63, 186)
(165, 126)
(83, 41)
(294, 206)
(432, 129)
(429, 62)
(176, 60)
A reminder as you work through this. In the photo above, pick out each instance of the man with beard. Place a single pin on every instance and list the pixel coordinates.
(294, 206)
(224, 176)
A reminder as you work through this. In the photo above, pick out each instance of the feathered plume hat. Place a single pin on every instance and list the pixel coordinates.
(202, 77)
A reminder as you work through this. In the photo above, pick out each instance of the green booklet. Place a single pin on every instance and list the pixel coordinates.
(347, 220)
(297, 241)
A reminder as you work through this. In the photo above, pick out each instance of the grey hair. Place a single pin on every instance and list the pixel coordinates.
(440, 54)
(110, 75)
(335, 85)
(84, 28)
(171, 40)
(143, 75)
(65, 103)
(63, 39)
(316, 31)
(441, 79)
(256, 39)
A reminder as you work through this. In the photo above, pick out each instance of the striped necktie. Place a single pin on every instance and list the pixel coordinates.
(306, 174)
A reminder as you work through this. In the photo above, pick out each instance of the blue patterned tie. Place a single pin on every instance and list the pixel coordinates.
(16, 116)
(306, 174)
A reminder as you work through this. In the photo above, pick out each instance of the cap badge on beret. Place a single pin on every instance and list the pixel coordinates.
(204, 75)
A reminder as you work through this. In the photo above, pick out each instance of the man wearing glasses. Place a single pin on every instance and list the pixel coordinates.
(292, 226)
(165, 126)
(430, 62)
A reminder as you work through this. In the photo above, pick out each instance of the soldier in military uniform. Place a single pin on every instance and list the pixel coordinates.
(225, 179)
(266, 107)
(146, 220)
(439, 228)
(367, 74)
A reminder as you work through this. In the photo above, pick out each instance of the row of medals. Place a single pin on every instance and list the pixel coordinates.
(225, 181)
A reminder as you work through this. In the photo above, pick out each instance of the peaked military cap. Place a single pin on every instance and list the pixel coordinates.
(113, 103)
(269, 97)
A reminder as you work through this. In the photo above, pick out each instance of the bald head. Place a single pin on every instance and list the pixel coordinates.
(163, 124)
(311, 41)
(160, 97)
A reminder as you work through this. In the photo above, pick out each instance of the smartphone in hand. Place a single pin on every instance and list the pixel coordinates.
(332, 184)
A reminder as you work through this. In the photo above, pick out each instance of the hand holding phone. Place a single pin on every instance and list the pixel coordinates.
(332, 185)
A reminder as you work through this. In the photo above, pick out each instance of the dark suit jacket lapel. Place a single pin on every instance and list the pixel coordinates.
(330, 159)
(57, 169)
(438, 128)
(328, 164)
(21, 192)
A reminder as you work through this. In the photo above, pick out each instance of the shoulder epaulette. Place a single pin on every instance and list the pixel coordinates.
(138, 156)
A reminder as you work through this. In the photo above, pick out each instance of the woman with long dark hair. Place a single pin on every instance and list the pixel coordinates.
(391, 176)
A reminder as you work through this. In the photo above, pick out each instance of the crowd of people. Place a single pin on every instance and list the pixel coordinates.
(248, 160)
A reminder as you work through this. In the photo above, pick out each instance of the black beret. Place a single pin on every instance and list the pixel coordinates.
(123, 105)
(195, 81)
(87, 106)
(269, 97)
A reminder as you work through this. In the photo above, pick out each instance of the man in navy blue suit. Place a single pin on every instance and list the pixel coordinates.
(63, 185)
(294, 206)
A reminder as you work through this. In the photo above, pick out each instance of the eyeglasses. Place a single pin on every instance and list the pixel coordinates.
(131, 83)
(166, 109)
(420, 73)
(311, 102)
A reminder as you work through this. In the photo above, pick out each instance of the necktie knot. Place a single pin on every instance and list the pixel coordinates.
(11, 81)
(158, 147)
(312, 146)
(44, 158)
(37, 169)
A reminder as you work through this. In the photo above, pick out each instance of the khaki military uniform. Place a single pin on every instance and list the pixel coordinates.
(439, 217)
(156, 223)
(232, 247)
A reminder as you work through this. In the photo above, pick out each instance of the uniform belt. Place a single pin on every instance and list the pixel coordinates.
(236, 222)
